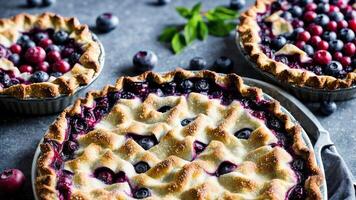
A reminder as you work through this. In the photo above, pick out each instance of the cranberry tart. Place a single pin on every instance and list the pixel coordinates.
(45, 55)
(180, 135)
(303, 42)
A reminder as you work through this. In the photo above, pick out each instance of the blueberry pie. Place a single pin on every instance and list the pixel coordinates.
(181, 135)
(45, 55)
(303, 42)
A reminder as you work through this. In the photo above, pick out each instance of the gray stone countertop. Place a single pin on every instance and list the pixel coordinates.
(140, 24)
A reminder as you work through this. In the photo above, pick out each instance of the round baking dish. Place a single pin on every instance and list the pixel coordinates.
(42, 106)
(307, 141)
(304, 93)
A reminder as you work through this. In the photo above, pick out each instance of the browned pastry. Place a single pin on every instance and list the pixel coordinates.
(301, 42)
(180, 135)
(46, 55)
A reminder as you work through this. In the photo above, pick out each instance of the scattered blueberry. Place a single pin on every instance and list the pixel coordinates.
(186, 121)
(201, 85)
(327, 108)
(106, 22)
(141, 193)
(163, 2)
(164, 109)
(14, 58)
(104, 174)
(336, 45)
(243, 133)
(296, 11)
(225, 167)
(39, 77)
(197, 63)
(237, 4)
(278, 42)
(141, 167)
(34, 3)
(322, 19)
(224, 64)
(48, 2)
(347, 35)
(60, 37)
(309, 49)
(333, 68)
(287, 16)
(336, 16)
(145, 60)
(329, 36)
(11, 180)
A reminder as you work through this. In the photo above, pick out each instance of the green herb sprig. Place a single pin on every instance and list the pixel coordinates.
(219, 21)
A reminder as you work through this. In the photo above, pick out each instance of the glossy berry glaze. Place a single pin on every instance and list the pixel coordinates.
(325, 30)
(41, 54)
(89, 117)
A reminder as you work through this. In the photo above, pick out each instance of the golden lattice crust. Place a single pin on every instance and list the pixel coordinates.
(263, 171)
(81, 73)
(249, 37)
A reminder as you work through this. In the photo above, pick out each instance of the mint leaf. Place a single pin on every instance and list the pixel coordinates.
(190, 29)
(220, 28)
(178, 43)
(184, 12)
(196, 9)
(203, 31)
(167, 34)
(221, 13)
(227, 11)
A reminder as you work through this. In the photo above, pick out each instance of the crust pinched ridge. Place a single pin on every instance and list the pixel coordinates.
(249, 37)
(80, 74)
(157, 137)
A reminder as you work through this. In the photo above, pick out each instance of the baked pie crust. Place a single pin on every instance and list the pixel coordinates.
(250, 40)
(193, 136)
(80, 74)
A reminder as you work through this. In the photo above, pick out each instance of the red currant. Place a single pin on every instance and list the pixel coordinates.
(337, 56)
(350, 49)
(342, 24)
(315, 40)
(323, 45)
(304, 36)
(322, 57)
(53, 56)
(26, 68)
(332, 26)
(15, 48)
(345, 61)
(61, 66)
(315, 29)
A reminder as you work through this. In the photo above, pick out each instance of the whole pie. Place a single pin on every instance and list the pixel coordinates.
(45, 55)
(303, 42)
(181, 135)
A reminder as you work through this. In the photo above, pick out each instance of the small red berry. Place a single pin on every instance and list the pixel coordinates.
(347, 8)
(309, 16)
(297, 23)
(350, 49)
(315, 40)
(322, 57)
(334, 9)
(11, 180)
(35, 55)
(352, 24)
(300, 44)
(45, 43)
(304, 36)
(311, 7)
(342, 24)
(345, 61)
(332, 26)
(61, 66)
(15, 48)
(337, 56)
(26, 68)
(44, 66)
(315, 29)
(323, 45)
(53, 56)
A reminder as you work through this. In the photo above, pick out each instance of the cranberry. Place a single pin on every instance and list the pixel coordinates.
(350, 49)
(26, 68)
(315, 40)
(303, 36)
(53, 56)
(35, 55)
(300, 44)
(61, 66)
(309, 16)
(345, 61)
(15, 48)
(323, 45)
(352, 24)
(342, 24)
(11, 180)
(333, 9)
(337, 56)
(315, 29)
(332, 26)
(297, 23)
(311, 7)
(44, 66)
(45, 43)
(322, 57)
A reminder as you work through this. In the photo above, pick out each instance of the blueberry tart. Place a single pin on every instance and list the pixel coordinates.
(180, 135)
(45, 56)
(308, 43)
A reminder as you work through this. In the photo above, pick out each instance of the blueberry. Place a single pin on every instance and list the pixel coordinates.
(317, 70)
(141, 167)
(56, 74)
(169, 88)
(5, 79)
(60, 37)
(34, 3)
(276, 5)
(297, 193)
(28, 44)
(14, 58)
(243, 133)
(40, 36)
(329, 36)
(23, 39)
(322, 1)
(237, 4)
(48, 2)
(146, 142)
(305, 2)
(274, 123)
(279, 42)
(53, 47)
(297, 31)
(145, 60)
(186, 121)
(106, 22)
(287, 16)
(199, 147)
(347, 35)
(104, 174)
(164, 109)
(197, 63)
(322, 19)
(201, 85)
(323, 8)
(39, 76)
(336, 45)
(163, 2)
(296, 11)
(327, 108)
(336, 16)
(350, 15)
(141, 193)
(224, 64)
(186, 86)
(308, 49)
(333, 68)
(14, 81)
(225, 167)
(298, 165)
(69, 147)
(127, 95)
(74, 58)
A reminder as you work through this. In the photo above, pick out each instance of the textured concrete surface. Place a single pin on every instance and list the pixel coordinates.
(140, 24)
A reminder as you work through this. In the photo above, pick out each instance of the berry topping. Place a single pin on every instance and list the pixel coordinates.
(322, 57)
(224, 64)
(69, 147)
(106, 22)
(201, 85)
(145, 141)
(39, 76)
(104, 174)
(186, 121)
(60, 37)
(279, 42)
(349, 49)
(141, 167)
(26, 68)
(15, 48)
(145, 60)
(225, 167)
(61, 66)
(327, 108)
(35, 55)
(336, 45)
(186, 86)
(141, 193)
(199, 147)
(347, 35)
(237, 4)
(243, 133)
(11, 180)
(197, 63)
(333, 68)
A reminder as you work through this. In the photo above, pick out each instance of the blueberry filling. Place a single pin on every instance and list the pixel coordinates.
(164, 109)
(82, 123)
